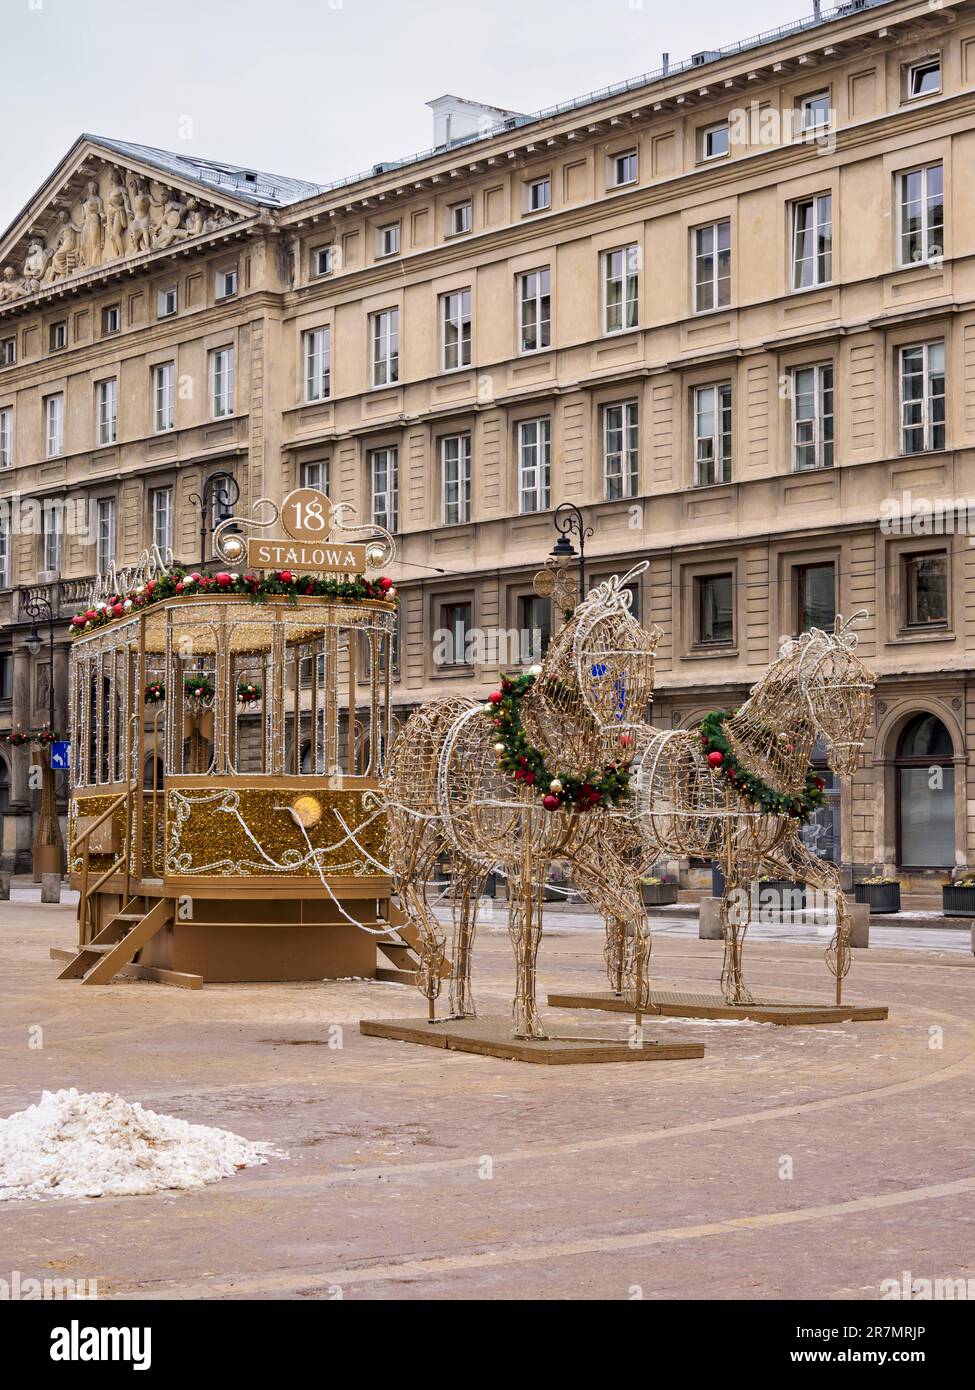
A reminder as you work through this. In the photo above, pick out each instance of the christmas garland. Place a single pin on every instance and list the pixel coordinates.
(248, 694)
(721, 759)
(198, 688)
(155, 693)
(175, 583)
(40, 738)
(527, 764)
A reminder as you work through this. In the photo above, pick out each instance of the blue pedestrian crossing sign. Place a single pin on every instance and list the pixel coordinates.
(60, 755)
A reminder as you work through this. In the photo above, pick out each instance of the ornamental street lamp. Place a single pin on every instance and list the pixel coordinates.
(221, 494)
(568, 521)
(48, 845)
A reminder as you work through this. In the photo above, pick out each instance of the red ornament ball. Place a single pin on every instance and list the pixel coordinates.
(495, 697)
(715, 759)
(385, 583)
(551, 802)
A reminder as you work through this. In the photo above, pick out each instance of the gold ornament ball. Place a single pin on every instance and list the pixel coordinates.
(374, 556)
(232, 548)
(308, 809)
(499, 748)
(555, 785)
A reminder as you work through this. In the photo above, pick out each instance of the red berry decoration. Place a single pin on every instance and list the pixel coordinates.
(529, 778)
(715, 759)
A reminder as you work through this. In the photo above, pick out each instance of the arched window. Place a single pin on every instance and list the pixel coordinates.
(925, 795)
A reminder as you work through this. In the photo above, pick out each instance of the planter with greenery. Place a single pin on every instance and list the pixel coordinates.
(958, 898)
(658, 892)
(880, 894)
(780, 895)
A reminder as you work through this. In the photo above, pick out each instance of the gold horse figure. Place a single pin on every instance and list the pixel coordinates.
(446, 789)
(688, 805)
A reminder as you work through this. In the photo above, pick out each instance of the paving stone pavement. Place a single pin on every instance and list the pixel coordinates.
(808, 1162)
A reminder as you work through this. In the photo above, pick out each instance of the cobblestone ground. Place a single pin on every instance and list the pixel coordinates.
(788, 1163)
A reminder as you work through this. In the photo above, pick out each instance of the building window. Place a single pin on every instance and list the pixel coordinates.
(821, 833)
(387, 240)
(58, 336)
(925, 585)
(814, 593)
(621, 452)
(814, 112)
(459, 218)
(161, 519)
(455, 330)
(621, 289)
(225, 283)
(712, 434)
(534, 626)
(166, 302)
(106, 410)
(924, 78)
(455, 478)
(534, 310)
(922, 398)
(453, 647)
(163, 396)
(222, 382)
(623, 169)
(714, 618)
(54, 425)
(318, 373)
(322, 260)
(812, 242)
(538, 195)
(4, 552)
(8, 352)
(385, 347)
(314, 474)
(922, 212)
(712, 266)
(534, 464)
(6, 436)
(925, 795)
(52, 526)
(812, 417)
(715, 141)
(105, 542)
(111, 319)
(384, 471)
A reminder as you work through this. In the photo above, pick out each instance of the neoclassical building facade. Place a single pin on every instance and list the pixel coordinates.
(725, 309)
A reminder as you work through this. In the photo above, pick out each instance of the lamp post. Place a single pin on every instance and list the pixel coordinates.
(220, 489)
(569, 521)
(48, 845)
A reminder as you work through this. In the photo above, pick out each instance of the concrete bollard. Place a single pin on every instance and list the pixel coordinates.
(860, 930)
(50, 888)
(4, 888)
(709, 928)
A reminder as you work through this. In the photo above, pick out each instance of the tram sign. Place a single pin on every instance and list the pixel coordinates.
(307, 518)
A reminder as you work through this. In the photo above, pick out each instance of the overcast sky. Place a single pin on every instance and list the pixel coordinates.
(315, 88)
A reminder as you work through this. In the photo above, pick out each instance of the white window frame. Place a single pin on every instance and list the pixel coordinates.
(106, 535)
(161, 519)
(317, 361)
(707, 154)
(108, 310)
(167, 302)
(534, 464)
(810, 105)
(815, 432)
(6, 436)
(822, 218)
(455, 479)
(627, 277)
(457, 649)
(713, 452)
(4, 552)
(455, 317)
(384, 346)
(8, 352)
(923, 65)
(163, 397)
(223, 370)
(531, 205)
(543, 320)
(106, 411)
(225, 283)
(384, 486)
(932, 240)
(621, 450)
(716, 279)
(460, 218)
(323, 256)
(52, 534)
(54, 425)
(315, 474)
(928, 424)
(619, 163)
(57, 336)
(388, 238)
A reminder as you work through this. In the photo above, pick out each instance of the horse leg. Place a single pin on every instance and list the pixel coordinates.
(525, 930)
(734, 924)
(638, 953)
(461, 1000)
(432, 945)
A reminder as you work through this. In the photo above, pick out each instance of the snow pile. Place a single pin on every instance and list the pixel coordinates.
(98, 1145)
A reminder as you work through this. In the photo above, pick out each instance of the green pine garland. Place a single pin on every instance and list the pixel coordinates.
(750, 787)
(527, 763)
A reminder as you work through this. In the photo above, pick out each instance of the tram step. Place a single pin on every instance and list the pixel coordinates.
(98, 962)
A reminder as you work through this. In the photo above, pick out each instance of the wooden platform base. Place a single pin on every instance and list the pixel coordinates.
(666, 1004)
(492, 1037)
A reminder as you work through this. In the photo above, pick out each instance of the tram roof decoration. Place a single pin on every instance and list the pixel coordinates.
(323, 554)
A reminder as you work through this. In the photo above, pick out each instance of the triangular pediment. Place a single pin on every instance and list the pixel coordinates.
(109, 203)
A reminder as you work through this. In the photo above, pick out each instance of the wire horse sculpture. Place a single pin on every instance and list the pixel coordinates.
(818, 687)
(447, 791)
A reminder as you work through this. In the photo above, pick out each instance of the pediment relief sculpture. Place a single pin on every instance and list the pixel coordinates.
(115, 214)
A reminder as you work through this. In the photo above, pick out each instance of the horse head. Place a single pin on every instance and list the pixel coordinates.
(837, 689)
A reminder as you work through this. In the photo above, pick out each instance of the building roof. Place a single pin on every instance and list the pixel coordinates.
(251, 185)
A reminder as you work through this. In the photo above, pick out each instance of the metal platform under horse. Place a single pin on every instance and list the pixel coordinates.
(493, 1038)
(668, 1004)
